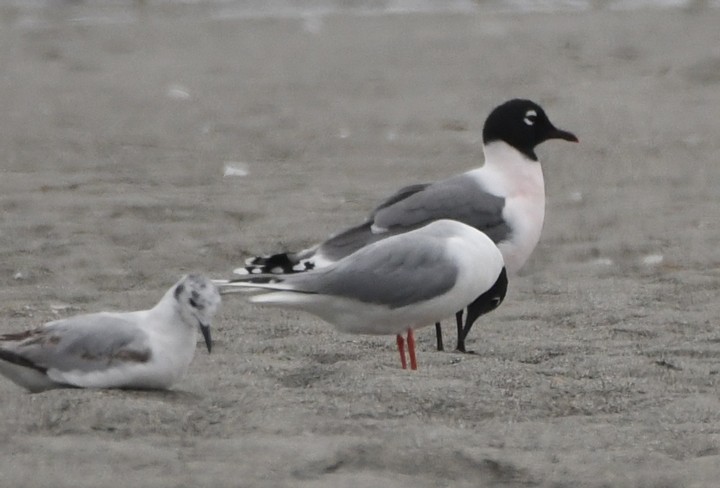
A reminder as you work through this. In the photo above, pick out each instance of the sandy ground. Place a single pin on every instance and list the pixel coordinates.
(601, 368)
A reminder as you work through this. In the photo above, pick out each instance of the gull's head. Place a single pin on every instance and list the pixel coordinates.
(522, 124)
(198, 299)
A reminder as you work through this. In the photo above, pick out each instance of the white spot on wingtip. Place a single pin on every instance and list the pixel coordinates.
(240, 271)
(652, 259)
(276, 270)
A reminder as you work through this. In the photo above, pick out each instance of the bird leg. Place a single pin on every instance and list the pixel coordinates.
(438, 336)
(401, 349)
(411, 349)
(460, 331)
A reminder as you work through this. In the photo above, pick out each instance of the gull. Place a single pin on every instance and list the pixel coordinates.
(394, 285)
(148, 349)
(504, 198)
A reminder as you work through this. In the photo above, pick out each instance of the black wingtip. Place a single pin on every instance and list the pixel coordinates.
(15, 358)
(276, 264)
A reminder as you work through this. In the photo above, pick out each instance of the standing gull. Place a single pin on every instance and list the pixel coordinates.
(504, 198)
(393, 285)
(148, 349)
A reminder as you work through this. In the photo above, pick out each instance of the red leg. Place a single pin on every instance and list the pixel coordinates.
(401, 349)
(411, 349)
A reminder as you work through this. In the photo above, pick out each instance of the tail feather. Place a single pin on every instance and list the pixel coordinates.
(251, 283)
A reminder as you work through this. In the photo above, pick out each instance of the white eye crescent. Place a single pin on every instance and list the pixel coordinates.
(530, 116)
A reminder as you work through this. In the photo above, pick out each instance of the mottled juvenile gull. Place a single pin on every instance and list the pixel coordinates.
(148, 349)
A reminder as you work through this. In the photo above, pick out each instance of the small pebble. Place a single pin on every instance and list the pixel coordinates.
(312, 24)
(234, 168)
(602, 262)
(178, 92)
(652, 259)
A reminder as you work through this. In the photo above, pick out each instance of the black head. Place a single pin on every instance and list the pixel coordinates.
(522, 124)
(487, 302)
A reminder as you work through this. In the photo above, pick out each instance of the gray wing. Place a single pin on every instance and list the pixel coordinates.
(395, 272)
(82, 343)
(354, 238)
(456, 198)
(401, 194)
(349, 241)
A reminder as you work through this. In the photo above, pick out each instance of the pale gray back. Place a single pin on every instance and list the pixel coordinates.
(456, 198)
(395, 272)
(84, 343)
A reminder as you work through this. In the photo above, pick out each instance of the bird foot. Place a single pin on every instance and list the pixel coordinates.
(462, 350)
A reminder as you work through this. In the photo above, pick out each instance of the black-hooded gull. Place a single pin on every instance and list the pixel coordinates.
(394, 285)
(504, 198)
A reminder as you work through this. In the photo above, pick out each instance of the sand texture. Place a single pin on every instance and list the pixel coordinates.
(601, 368)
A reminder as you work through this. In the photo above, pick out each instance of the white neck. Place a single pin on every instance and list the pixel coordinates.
(166, 308)
(510, 174)
(174, 338)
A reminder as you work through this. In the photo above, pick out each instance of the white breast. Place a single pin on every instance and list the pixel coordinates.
(509, 174)
(173, 350)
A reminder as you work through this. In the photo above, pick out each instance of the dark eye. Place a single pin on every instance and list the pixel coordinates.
(193, 301)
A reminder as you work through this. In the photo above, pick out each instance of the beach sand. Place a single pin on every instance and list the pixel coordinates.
(601, 367)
